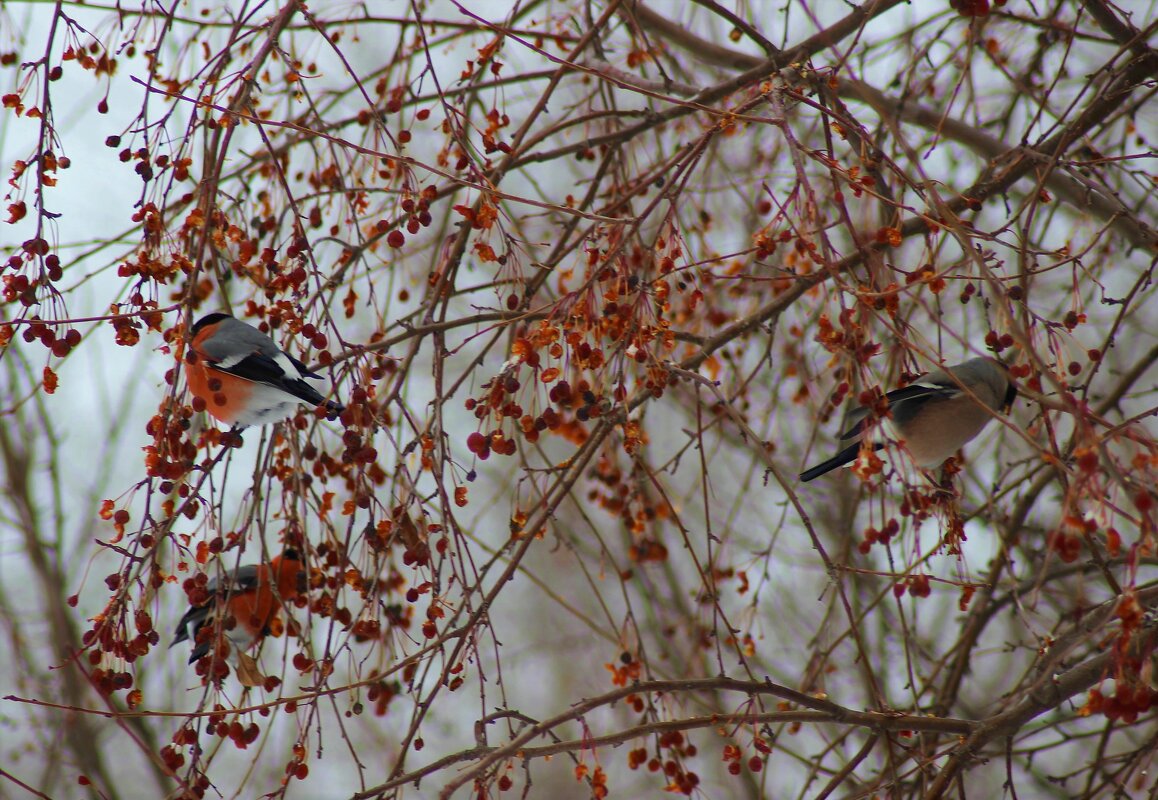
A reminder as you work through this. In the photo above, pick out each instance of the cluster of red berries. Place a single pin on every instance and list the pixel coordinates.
(60, 345)
(418, 216)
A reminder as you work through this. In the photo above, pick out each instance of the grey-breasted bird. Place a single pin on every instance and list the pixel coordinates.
(934, 417)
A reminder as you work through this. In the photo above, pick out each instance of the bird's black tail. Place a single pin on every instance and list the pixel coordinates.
(308, 394)
(845, 456)
(189, 626)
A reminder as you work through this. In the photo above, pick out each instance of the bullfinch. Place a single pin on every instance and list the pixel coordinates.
(243, 377)
(238, 609)
(934, 416)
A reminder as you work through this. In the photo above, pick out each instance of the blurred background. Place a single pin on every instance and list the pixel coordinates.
(596, 281)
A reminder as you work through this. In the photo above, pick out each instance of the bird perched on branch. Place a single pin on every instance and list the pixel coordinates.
(239, 608)
(936, 415)
(243, 377)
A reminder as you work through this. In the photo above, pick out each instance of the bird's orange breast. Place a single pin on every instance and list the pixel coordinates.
(225, 396)
(255, 610)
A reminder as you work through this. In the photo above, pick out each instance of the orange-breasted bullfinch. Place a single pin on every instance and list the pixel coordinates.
(239, 608)
(936, 415)
(243, 377)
